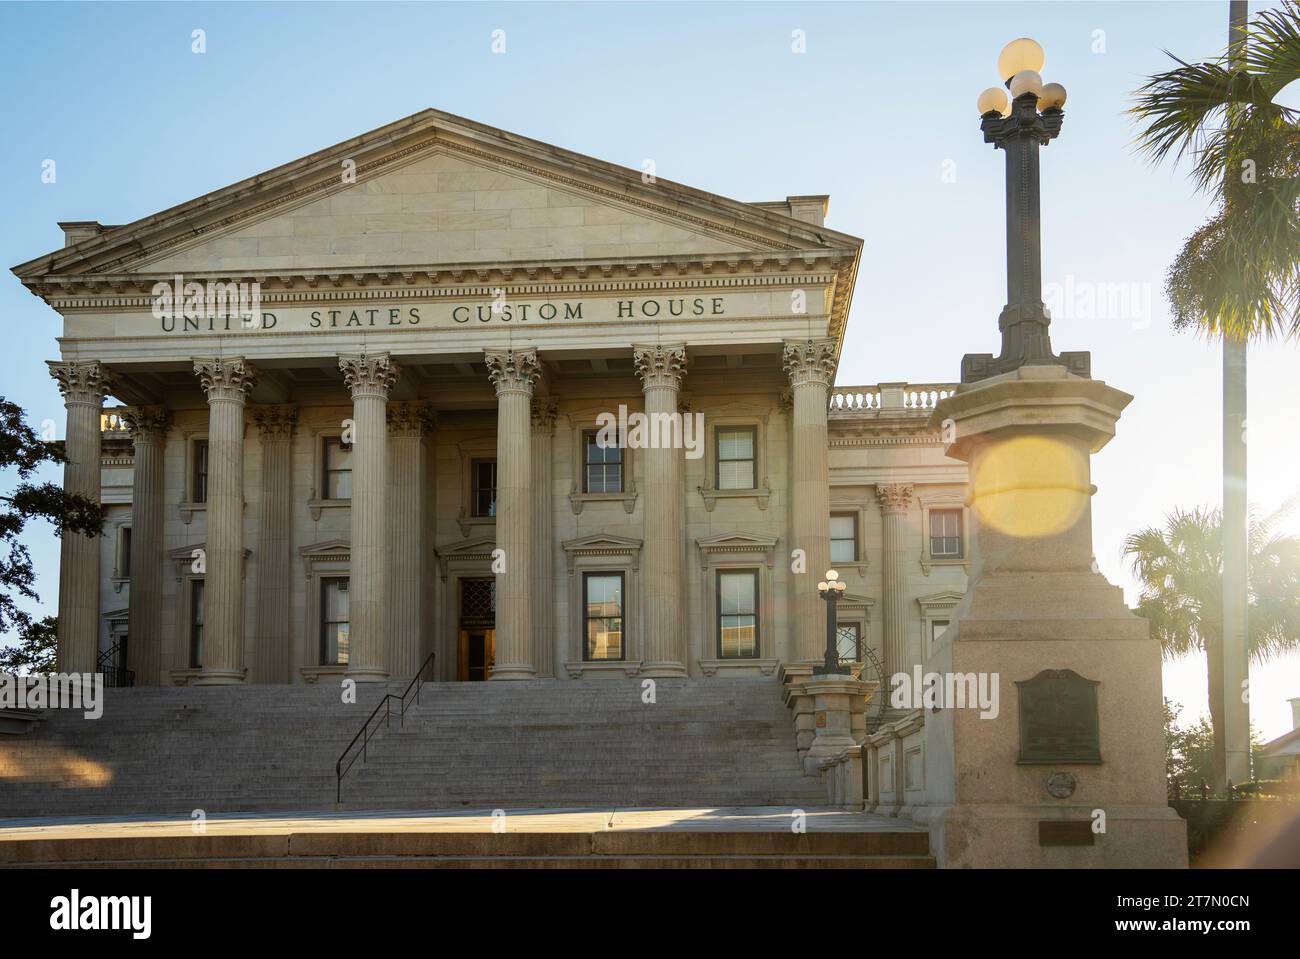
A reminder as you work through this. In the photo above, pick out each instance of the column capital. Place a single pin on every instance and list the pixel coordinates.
(225, 378)
(409, 419)
(894, 497)
(513, 371)
(544, 410)
(368, 374)
(81, 382)
(148, 424)
(660, 366)
(810, 362)
(275, 422)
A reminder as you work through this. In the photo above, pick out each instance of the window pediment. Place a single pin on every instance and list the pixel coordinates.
(763, 547)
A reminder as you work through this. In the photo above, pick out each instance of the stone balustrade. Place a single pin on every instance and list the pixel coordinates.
(112, 422)
(889, 397)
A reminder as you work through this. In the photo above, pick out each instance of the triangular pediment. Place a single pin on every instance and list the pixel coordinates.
(737, 541)
(435, 189)
(478, 546)
(325, 548)
(602, 541)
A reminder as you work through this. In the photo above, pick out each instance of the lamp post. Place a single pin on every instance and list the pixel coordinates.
(831, 589)
(1019, 125)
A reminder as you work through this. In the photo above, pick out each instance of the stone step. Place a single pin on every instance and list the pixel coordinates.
(882, 849)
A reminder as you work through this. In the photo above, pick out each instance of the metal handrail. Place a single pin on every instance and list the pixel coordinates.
(114, 676)
(364, 733)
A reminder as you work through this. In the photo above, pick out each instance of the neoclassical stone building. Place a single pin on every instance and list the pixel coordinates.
(395, 449)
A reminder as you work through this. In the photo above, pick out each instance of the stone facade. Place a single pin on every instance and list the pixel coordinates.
(451, 321)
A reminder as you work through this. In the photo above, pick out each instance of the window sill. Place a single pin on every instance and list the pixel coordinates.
(578, 500)
(316, 505)
(119, 582)
(711, 667)
(927, 563)
(189, 509)
(711, 496)
(467, 523)
(858, 566)
(312, 674)
(628, 667)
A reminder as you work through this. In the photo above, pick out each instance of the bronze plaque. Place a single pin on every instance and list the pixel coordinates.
(1058, 718)
(1065, 832)
(821, 720)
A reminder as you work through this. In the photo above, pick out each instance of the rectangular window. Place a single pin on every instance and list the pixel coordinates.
(124, 559)
(937, 627)
(334, 621)
(602, 465)
(196, 624)
(737, 614)
(199, 481)
(847, 639)
(844, 538)
(338, 468)
(603, 616)
(736, 457)
(945, 534)
(483, 488)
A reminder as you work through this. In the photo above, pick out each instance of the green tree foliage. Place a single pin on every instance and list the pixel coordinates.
(22, 450)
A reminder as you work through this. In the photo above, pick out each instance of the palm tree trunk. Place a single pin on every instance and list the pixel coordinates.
(1233, 726)
(1214, 666)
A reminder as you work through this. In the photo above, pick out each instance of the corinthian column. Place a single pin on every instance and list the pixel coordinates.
(407, 424)
(661, 369)
(543, 535)
(227, 382)
(810, 365)
(369, 377)
(895, 498)
(148, 427)
(83, 386)
(275, 423)
(513, 373)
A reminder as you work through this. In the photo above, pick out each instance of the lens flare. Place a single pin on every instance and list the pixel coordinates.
(1030, 486)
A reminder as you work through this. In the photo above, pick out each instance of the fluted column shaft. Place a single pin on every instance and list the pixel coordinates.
(661, 369)
(407, 424)
(810, 365)
(227, 382)
(148, 427)
(895, 499)
(83, 386)
(513, 373)
(543, 419)
(272, 657)
(369, 378)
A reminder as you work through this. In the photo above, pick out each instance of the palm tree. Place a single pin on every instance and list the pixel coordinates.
(1238, 276)
(1180, 573)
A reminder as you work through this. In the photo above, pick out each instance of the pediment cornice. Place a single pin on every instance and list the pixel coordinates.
(115, 249)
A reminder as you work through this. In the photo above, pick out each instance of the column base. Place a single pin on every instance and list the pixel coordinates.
(508, 673)
(366, 674)
(665, 670)
(221, 677)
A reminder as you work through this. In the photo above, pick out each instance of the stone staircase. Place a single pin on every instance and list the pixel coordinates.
(491, 745)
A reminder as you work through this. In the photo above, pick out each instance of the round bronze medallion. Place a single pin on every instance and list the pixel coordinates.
(1062, 785)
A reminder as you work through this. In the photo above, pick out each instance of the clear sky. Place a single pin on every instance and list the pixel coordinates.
(879, 112)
